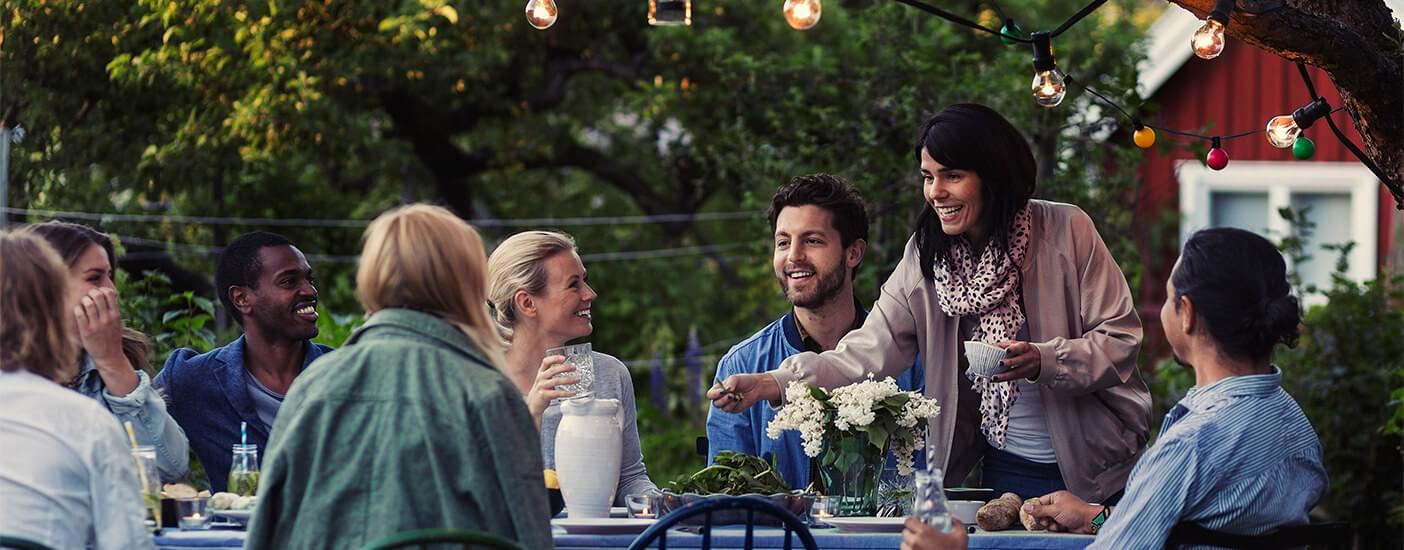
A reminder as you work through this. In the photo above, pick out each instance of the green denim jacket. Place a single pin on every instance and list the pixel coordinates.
(406, 427)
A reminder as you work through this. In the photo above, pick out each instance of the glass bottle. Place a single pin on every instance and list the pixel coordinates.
(929, 501)
(243, 470)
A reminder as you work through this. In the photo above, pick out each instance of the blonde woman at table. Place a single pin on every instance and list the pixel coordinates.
(987, 263)
(410, 425)
(542, 299)
(67, 479)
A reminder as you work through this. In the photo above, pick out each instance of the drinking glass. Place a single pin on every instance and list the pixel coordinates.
(149, 479)
(194, 513)
(580, 357)
(929, 501)
(243, 470)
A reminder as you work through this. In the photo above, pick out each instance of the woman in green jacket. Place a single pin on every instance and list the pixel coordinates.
(409, 425)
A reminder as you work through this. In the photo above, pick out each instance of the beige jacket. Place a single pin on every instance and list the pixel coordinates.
(1082, 320)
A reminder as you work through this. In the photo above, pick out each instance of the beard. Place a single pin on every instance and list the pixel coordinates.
(828, 284)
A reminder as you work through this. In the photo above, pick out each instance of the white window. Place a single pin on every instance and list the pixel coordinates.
(1343, 197)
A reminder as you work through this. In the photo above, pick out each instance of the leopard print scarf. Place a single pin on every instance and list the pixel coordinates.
(989, 288)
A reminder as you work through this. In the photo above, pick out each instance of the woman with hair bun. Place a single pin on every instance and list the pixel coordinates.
(1237, 454)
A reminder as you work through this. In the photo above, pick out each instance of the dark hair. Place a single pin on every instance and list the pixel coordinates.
(71, 240)
(832, 193)
(967, 136)
(239, 265)
(1238, 283)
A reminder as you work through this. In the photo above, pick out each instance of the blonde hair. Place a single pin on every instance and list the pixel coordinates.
(423, 257)
(519, 263)
(34, 292)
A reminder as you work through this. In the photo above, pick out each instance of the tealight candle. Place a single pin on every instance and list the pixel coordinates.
(641, 506)
(193, 513)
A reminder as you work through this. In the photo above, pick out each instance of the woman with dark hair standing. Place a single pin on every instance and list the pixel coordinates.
(1237, 454)
(111, 368)
(987, 263)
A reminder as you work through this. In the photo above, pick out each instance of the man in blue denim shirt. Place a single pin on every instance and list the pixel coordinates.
(266, 284)
(820, 228)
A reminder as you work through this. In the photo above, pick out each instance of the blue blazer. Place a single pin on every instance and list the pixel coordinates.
(206, 393)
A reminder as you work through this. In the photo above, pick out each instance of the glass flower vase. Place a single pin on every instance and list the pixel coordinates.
(849, 470)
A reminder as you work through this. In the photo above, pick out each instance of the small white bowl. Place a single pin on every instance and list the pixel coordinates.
(964, 510)
(984, 358)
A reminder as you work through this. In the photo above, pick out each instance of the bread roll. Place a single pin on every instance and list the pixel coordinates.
(999, 514)
(1027, 519)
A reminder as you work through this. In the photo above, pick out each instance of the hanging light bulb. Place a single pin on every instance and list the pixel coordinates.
(1144, 136)
(1208, 41)
(1009, 32)
(1048, 84)
(1217, 158)
(1282, 130)
(1303, 149)
(667, 13)
(803, 14)
(541, 14)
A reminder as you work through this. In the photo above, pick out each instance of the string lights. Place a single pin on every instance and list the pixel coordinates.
(541, 14)
(1208, 41)
(803, 15)
(669, 13)
(1049, 87)
(1050, 84)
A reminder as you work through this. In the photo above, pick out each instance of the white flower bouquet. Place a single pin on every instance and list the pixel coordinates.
(876, 412)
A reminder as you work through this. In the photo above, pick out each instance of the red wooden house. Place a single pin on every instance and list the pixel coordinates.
(1239, 91)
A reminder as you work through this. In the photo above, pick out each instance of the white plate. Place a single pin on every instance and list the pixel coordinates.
(235, 514)
(867, 524)
(603, 526)
(614, 512)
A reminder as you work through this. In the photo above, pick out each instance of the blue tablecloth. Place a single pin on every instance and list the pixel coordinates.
(727, 537)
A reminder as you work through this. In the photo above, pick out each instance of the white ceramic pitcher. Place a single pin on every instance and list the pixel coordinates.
(588, 455)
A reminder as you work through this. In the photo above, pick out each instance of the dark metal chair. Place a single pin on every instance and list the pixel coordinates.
(420, 537)
(20, 544)
(1315, 535)
(752, 506)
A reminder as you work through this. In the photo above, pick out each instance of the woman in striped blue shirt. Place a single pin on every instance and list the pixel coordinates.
(1236, 454)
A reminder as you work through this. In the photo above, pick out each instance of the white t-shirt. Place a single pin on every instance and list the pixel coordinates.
(67, 478)
(1026, 436)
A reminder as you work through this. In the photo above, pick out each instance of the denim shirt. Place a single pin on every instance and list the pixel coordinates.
(206, 393)
(744, 431)
(146, 410)
(1237, 455)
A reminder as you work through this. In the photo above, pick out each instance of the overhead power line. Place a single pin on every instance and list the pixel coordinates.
(113, 217)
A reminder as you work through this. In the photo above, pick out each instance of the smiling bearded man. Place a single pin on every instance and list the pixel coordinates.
(266, 284)
(820, 230)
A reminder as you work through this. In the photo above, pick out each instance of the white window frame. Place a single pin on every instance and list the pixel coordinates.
(1280, 180)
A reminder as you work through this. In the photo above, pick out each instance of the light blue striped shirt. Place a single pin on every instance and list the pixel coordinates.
(1237, 455)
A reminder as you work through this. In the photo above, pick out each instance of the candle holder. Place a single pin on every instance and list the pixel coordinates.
(820, 512)
(642, 506)
(194, 513)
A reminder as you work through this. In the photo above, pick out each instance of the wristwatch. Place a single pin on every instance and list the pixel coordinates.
(1099, 519)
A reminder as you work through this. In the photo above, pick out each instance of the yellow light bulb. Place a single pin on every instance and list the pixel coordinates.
(541, 14)
(803, 14)
(1208, 41)
(1144, 138)
(1049, 88)
(1282, 131)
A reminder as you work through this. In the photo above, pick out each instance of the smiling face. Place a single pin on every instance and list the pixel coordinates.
(563, 309)
(956, 197)
(810, 261)
(285, 301)
(91, 270)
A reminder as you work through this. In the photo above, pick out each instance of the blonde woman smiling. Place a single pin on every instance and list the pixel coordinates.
(538, 287)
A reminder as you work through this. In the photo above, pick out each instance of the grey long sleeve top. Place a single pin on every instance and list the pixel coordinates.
(611, 382)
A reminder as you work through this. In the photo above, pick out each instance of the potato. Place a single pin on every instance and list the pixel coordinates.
(1028, 520)
(999, 514)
